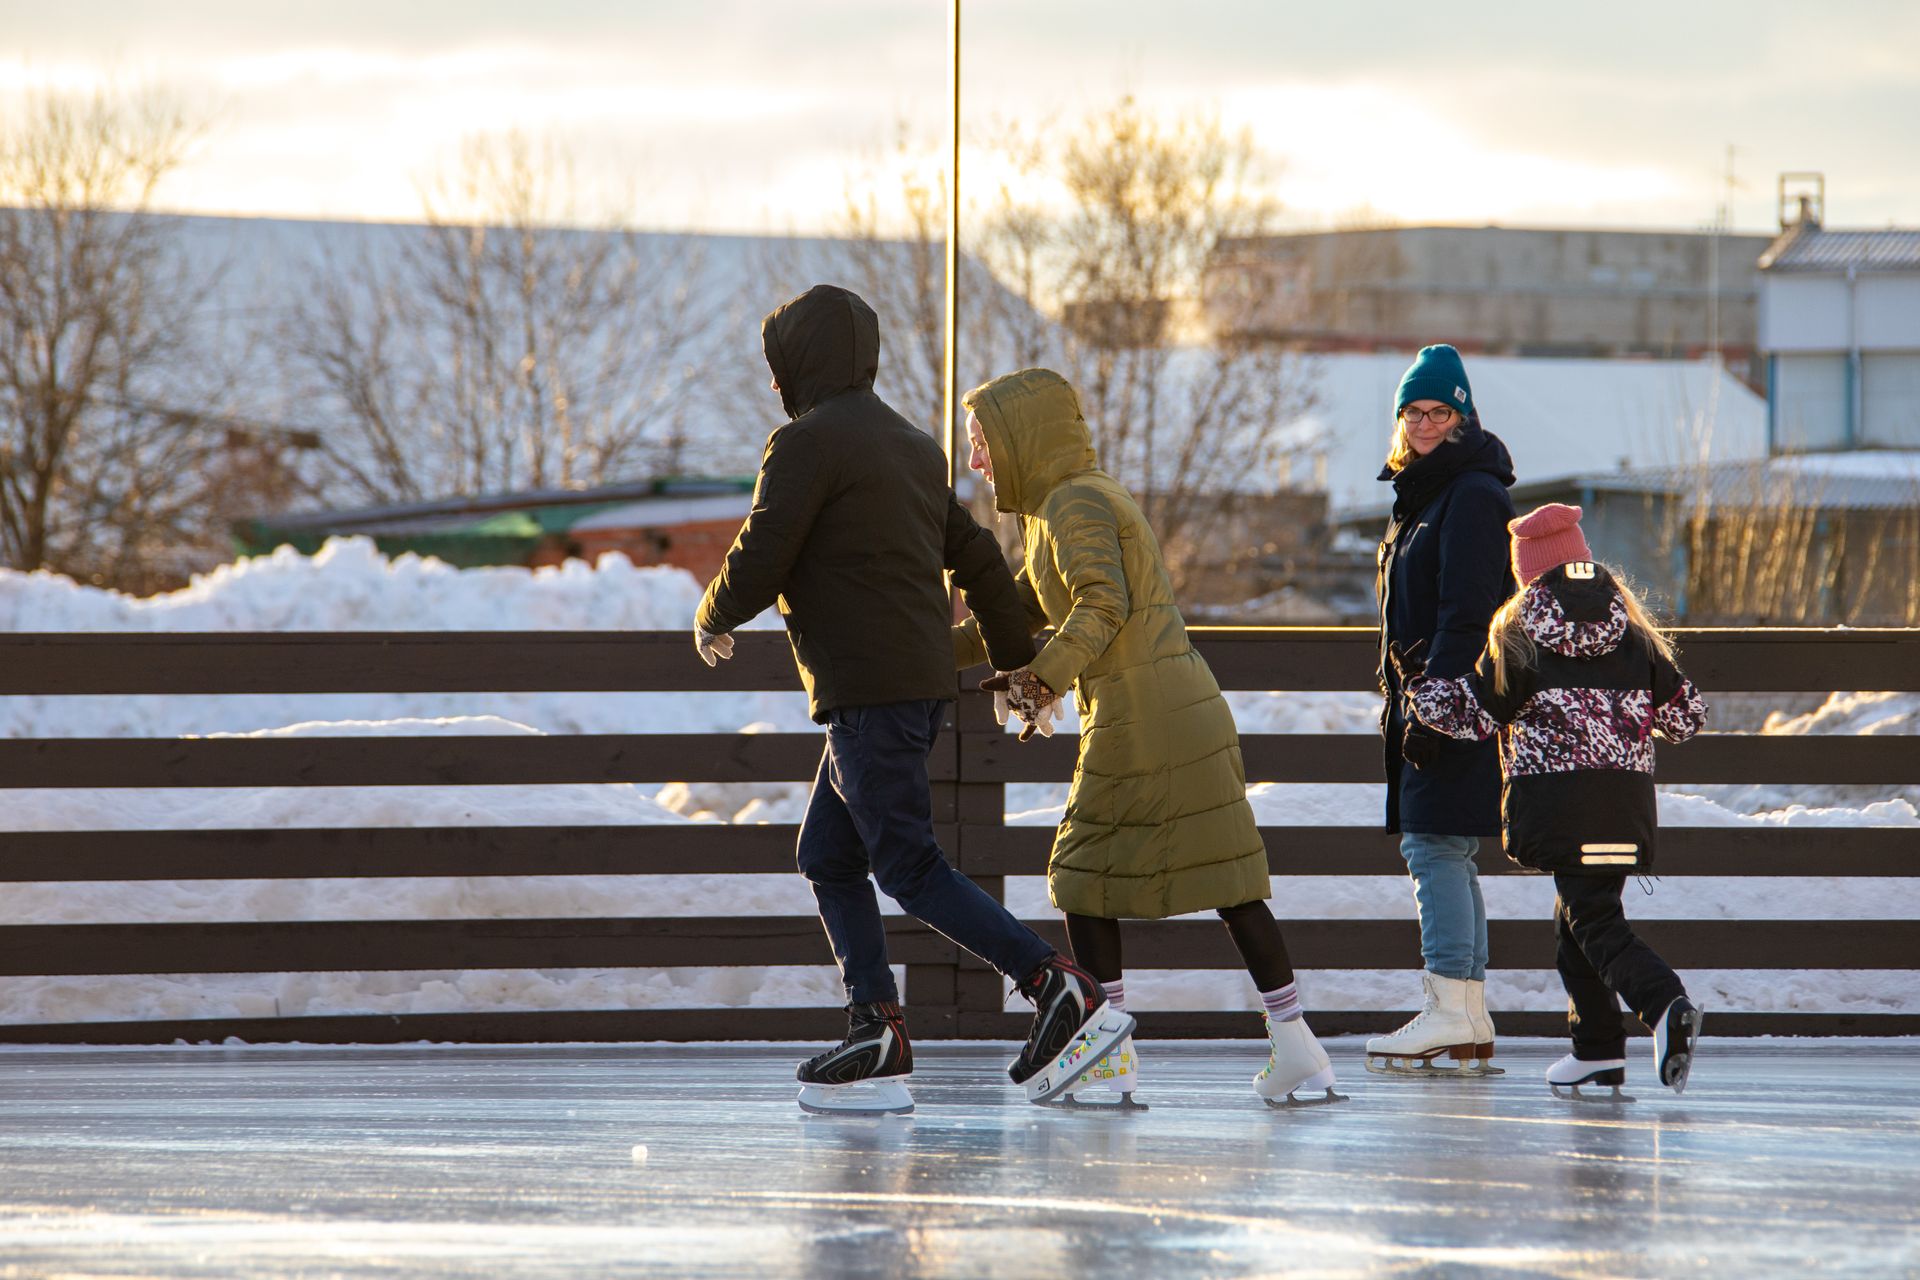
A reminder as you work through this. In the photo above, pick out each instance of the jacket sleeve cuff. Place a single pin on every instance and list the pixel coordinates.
(1057, 666)
(969, 650)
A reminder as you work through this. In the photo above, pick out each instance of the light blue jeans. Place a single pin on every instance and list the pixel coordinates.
(1453, 916)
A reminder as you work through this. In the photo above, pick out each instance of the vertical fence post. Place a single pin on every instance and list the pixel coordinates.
(932, 990)
(979, 991)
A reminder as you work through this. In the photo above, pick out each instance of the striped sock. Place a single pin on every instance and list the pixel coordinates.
(1283, 1003)
(1116, 994)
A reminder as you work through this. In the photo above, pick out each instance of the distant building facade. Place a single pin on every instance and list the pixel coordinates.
(1840, 333)
(1494, 290)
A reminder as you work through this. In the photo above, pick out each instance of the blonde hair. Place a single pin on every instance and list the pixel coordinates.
(1508, 641)
(1401, 451)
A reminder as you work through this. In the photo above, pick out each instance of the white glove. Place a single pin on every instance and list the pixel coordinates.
(1045, 716)
(710, 647)
(1000, 707)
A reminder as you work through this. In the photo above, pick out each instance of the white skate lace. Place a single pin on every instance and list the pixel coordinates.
(1415, 1021)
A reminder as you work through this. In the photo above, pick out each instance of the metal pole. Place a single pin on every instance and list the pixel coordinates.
(950, 389)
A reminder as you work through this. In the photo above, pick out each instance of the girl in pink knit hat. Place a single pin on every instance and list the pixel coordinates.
(1575, 681)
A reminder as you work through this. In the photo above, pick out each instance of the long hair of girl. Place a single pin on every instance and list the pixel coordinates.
(1508, 641)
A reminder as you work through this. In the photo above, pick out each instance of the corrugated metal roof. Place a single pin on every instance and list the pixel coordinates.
(1817, 249)
(1863, 480)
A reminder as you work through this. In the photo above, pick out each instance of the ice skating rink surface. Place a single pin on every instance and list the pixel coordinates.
(1783, 1158)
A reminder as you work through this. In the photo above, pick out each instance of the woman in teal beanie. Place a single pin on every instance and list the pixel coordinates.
(1443, 570)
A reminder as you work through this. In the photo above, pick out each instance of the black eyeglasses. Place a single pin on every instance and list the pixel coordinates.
(1439, 417)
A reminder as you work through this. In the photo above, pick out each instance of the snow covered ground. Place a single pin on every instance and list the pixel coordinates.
(349, 586)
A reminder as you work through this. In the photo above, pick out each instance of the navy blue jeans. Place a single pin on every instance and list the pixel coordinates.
(872, 812)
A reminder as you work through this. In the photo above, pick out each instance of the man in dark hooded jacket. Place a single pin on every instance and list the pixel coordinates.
(853, 528)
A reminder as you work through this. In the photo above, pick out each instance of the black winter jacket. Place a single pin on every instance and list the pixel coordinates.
(854, 525)
(1575, 725)
(1443, 570)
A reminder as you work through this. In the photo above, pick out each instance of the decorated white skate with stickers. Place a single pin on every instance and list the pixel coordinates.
(1099, 1035)
(1107, 1085)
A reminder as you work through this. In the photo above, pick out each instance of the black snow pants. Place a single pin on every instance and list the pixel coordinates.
(1599, 957)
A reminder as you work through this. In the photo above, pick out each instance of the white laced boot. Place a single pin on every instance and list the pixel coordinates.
(1295, 1060)
(1482, 1028)
(1441, 1027)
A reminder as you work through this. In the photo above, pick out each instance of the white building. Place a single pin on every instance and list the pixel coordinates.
(1840, 334)
(1559, 418)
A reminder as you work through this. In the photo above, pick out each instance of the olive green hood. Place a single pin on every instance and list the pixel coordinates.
(1035, 436)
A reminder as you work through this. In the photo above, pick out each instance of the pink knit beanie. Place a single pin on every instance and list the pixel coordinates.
(1546, 538)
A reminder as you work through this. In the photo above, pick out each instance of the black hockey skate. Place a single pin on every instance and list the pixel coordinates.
(1673, 1038)
(1073, 1027)
(865, 1074)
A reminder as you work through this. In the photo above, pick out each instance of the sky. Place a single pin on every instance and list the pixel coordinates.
(758, 115)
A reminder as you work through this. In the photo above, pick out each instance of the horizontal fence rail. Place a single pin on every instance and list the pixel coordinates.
(951, 993)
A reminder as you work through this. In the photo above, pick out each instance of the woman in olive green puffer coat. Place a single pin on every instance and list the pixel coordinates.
(1157, 822)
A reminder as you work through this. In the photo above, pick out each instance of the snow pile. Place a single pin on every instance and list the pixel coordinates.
(1877, 714)
(350, 586)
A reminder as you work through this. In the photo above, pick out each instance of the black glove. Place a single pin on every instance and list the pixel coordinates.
(1409, 664)
(1421, 745)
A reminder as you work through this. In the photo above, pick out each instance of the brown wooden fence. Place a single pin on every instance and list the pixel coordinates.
(951, 993)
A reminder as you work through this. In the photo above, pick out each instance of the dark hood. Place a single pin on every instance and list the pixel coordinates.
(820, 344)
(1477, 449)
(1575, 617)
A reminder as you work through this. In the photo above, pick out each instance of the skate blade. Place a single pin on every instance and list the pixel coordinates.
(1293, 1102)
(1572, 1094)
(1426, 1069)
(1476, 1060)
(1101, 1033)
(1680, 1065)
(884, 1096)
(1071, 1101)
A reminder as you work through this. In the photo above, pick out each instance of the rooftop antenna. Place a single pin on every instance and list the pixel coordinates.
(1805, 193)
(1722, 225)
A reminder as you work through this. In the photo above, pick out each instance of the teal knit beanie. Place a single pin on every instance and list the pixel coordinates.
(1436, 374)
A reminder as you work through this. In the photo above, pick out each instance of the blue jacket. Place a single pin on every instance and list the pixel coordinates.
(1443, 569)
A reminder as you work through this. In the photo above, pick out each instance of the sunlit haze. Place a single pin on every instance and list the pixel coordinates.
(759, 117)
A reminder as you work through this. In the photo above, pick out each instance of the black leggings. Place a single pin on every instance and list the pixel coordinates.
(1095, 941)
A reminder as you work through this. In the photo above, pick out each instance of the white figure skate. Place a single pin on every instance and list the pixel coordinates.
(1116, 1075)
(1482, 1027)
(1673, 1039)
(1570, 1073)
(1295, 1061)
(1440, 1028)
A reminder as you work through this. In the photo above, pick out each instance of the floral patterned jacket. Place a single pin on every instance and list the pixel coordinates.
(1576, 726)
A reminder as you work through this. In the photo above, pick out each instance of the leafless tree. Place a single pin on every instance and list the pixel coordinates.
(1088, 255)
(1112, 228)
(504, 345)
(1765, 545)
(118, 465)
